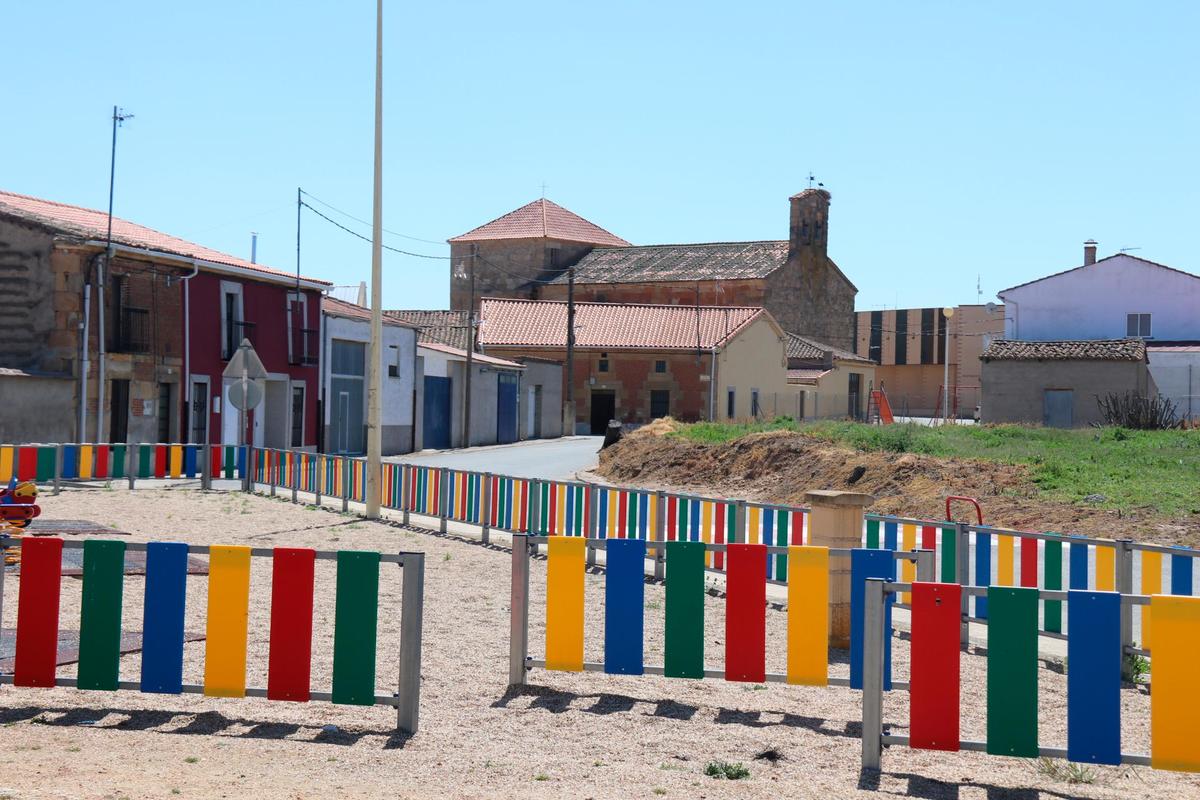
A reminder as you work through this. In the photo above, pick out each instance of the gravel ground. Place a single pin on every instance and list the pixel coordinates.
(588, 736)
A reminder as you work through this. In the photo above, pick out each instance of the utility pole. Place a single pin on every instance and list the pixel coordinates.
(374, 431)
(466, 437)
(118, 116)
(569, 405)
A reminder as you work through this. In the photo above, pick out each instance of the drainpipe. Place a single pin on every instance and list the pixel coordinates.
(712, 386)
(187, 355)
(85, 354)
(101, 348)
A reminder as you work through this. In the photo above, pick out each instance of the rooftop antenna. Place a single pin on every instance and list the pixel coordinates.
(1127, 249)
(978, 289)
(543, 190)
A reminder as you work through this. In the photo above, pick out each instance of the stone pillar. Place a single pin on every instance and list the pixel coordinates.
(836, 520)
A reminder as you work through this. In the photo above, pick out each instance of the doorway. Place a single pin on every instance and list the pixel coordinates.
(1057, 407)
(604, 409)
(506, 408)
(199, 413)
(537, 412)
(118, 421)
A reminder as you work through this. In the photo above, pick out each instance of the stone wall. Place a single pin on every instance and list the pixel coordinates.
(509, 267)
(27, 294)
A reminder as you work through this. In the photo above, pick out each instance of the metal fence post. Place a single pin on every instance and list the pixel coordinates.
(926, 566)
(412, 611)
(660, 534)
(1125, 586)
(963, 570)
(318, 477)
(444, 493)
(345, 484)
(535, 510)
(485, 508)
(206, 467)
(518, 632)
(405, 494)
(270, 472)
(872, 698)
(589, 524)
(130, 459)
(295, 476)
(248, 477)
(58, 467)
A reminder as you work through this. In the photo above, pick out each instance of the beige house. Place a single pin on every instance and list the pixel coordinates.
(835, 383)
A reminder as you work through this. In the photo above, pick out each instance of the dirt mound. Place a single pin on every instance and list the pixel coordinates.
(780, 466)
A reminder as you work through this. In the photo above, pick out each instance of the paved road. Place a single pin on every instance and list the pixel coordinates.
(555, 459)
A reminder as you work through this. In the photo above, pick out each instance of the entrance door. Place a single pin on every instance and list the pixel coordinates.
(199, 415)
(1057, 405)
(506, 408)
(854, 398)
(604, 408)
(436, 419)
(537, 412)
(118, 422)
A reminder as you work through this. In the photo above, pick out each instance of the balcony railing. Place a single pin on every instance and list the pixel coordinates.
(304, 347)
(131, 331)
(234, 333)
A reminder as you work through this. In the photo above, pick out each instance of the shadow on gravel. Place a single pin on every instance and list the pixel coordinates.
(206, 723)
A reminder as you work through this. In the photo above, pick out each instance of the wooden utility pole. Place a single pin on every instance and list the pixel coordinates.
(374, 381)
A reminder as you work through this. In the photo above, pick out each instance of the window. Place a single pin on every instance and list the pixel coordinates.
(927, 341)
(731, 403)
(234, 328)
(297, 416)
(603, 365)
(164, 412)
(302, 340)
(1137, 325)
(875, 343)
(393, 361)
(943, 339)
(755, 410)
(902, 337)
(660, 403)
(660, 366)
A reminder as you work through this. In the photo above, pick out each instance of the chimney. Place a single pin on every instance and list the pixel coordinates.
(1089, 252)
(809, 221)
(362, 294)
(253, 247)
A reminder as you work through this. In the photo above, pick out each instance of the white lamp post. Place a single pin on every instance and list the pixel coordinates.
(948, 313)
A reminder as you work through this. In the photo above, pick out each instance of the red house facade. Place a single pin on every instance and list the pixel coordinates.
(280, 316)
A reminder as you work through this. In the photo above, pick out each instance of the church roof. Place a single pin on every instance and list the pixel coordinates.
(542, 219)
(681, 262)
(446, 327)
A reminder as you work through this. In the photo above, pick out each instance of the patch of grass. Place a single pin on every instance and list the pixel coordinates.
(726, 771)
(541, 776)
(446, 557)
(191, 760)
(1155, 470)
(1065, 771)
(1138, 668)
(659, 790)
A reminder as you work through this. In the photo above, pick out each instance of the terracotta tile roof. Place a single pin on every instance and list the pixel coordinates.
(480, 357)
(805, 349)
(447, 327)
(808, 377)
(680, 262)
(340, 308)
(610, 326)
(1072, 350)
(87, 223)
(542, 219)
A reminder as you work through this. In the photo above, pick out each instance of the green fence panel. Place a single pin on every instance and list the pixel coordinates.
(116, 461)
(684, 651)
(1012, 665)
(45, 465)
(949, 570)
(100, 621)
(229, 457)
(355, 621)
(873, 534)
(145, 461)
(1052, 567)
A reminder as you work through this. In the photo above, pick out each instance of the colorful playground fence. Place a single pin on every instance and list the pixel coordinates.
(55, 463)
(229, 597)
(806, 569)
(1094, 674)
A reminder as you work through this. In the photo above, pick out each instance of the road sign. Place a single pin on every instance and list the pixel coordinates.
(245, 395)
(246, 361)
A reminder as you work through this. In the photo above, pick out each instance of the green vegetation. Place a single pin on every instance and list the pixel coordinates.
(1137, 668)
(1066, 771)
(726, 770)
(1154, 470)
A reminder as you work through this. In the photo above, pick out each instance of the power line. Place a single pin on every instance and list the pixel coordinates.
(368, 239)
(364, 222)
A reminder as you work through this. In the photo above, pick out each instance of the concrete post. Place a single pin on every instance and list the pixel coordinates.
(837, 521)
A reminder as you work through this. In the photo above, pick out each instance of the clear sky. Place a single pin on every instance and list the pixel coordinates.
(958, 139)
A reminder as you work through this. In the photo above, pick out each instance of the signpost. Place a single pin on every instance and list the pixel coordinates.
(249, 374)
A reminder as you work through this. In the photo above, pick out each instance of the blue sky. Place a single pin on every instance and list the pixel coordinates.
(958, 139)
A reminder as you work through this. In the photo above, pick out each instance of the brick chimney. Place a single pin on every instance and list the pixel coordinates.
(1089, 252)
(809, 221)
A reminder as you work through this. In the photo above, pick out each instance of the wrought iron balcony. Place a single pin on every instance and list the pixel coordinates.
(304, 347)
(234, 333)
(131, 331)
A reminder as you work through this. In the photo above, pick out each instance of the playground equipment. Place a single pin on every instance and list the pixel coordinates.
(1094, 656)
(18, 507)
(880, 408)
(807, 645)
(229, 596)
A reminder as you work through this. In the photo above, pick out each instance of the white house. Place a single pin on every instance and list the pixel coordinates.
(495, 391)
(1122, 296)
(345, 341)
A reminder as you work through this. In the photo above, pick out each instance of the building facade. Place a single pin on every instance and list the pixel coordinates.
(911, 347)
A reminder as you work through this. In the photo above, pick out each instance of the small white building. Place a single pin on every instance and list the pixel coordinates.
(345, 342)
(1121, 296)
(441, 398)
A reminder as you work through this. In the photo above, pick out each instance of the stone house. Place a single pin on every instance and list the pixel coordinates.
(638, 362)
(1057, 384)
(531, 253)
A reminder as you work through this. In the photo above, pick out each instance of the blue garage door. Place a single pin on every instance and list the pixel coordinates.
(437, 413)
(506, 408)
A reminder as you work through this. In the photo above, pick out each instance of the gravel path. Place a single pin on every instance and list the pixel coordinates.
(586, 736)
